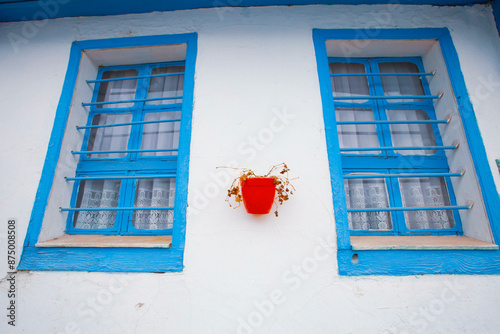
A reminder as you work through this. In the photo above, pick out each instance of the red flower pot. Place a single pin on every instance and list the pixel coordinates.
(258, 194)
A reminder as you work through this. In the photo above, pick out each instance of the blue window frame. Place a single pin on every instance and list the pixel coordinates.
(402, 261)
(385, 178)
(127, 165)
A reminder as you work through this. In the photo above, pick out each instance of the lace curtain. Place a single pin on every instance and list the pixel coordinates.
(154, 193)
(363, 194)
(429, 191)
(97, 194)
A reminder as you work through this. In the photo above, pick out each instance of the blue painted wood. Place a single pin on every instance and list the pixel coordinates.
(401, 175)
(423, 208)
(115, 259)
(132, 101)
(124, 124)
(399, 148)
(125, 151)
(102, 259)
(20, 10)
(381, 74)
(167, 176)
(138, 77)
(400, 97)
(419, 262)
(135, 208)
(439, 121)
(408, 262)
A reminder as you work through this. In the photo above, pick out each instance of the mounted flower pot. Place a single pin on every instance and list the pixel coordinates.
(258, 194)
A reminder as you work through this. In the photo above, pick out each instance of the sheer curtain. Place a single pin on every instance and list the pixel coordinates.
(411, 134)
(161, 135)
(167, 86)
(429, 191)
(97, 194)
(114, 138)
(367, 193)
(154, 193)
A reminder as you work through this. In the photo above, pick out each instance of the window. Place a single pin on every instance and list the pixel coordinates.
(412, 192)
(113, 193)
(385, 120)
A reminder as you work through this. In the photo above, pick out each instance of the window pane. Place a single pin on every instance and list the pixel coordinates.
(161, 135)
(114, 138)
(425, 192)
(97, 194)
(411, 134)
(363, 194)
(349, 85)
(401, 85)
(154, 193)
(355, 135)
(117, 90)
(167, 86)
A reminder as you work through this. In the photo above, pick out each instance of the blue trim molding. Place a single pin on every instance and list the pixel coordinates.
(27, 10)
(408, 262)
(122, 258)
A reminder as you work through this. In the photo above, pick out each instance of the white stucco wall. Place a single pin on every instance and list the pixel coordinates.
(254, 67)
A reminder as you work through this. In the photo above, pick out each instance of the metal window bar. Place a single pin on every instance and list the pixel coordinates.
(381, 74)
(402, 97)
(132, 101)
(138, 77)
(117, 209)
(402, 148)
(377, 176)
(83, 178)
(425, 208)
(124, 124)
(124, 151)
(439, 121)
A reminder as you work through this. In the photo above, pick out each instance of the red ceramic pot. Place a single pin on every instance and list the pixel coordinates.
(258, 194)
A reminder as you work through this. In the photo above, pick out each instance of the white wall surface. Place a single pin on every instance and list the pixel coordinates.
(255, 70)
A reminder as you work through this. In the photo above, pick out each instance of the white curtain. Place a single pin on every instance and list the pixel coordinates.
(154, 193)
(429, 191)
(113, 138)
(401, 85)
(97, 194)
(119, 90)
(367, 193)
(161, 135)
(167, 86)
(411, 134)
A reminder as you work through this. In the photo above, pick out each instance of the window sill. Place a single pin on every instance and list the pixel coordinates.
(104, 241)
(419, 242)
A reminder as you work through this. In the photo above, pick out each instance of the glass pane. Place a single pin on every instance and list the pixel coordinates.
(154, 193)
(411, 134)
(349, 85)
(167, 86)
(401, 85)
(114, 138)
(97, 194)
(163, 135)
(363, 194)
(355, 135)
(426, 192)
(117, 90)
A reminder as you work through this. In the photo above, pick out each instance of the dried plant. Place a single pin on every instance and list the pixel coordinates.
(283, 186)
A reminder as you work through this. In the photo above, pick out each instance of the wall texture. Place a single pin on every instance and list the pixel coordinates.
(257, 103)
